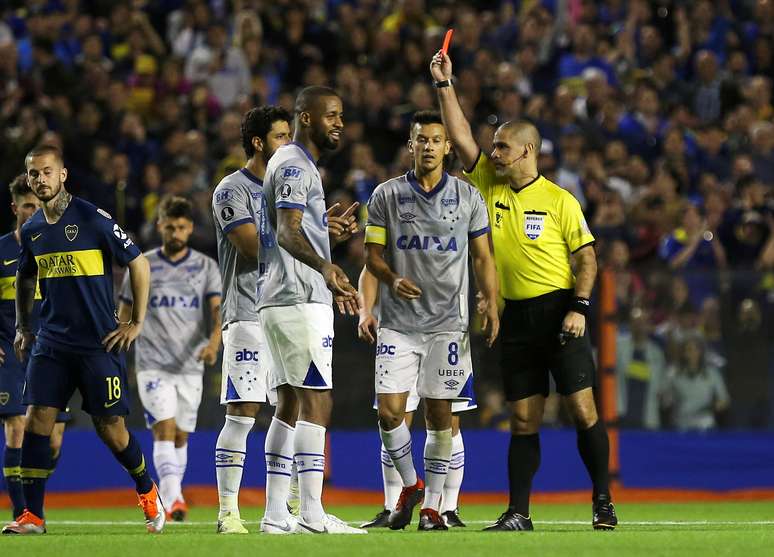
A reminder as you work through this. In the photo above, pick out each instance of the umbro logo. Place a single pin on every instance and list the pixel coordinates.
(407, 217)
(451, 383)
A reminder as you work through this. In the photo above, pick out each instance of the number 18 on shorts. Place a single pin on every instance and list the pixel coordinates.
(439, 364)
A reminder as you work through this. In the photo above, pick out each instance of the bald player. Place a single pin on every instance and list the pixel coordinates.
(538, 229)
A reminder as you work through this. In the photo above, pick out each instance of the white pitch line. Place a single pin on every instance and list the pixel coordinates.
(539, 522)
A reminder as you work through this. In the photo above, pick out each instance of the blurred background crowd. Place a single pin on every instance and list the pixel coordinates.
(656, 115)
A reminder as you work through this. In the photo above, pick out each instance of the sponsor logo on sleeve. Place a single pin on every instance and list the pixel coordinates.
(104, 213)
(223, 196)
(292, 173)
(122, 236)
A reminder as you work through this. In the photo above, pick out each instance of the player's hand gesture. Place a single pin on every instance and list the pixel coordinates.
(441, 67)
(22, 344)
(343, 226)
(344, 294)
(574, 323)
(366, 327)
(122, 336)
(208, 355)
(406, 289)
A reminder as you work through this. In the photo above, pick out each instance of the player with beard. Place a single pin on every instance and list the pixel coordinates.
(174, 345)
(295, 309)
(12, 372)
(68, 250)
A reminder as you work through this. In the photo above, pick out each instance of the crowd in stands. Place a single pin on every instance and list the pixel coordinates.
(656, 115)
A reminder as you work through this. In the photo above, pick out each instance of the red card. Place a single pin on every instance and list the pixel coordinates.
(447, 41)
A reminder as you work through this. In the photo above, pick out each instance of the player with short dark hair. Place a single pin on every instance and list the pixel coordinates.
(174, 345)
(296, 313)
(422, 227)
(67, 249)
(537, 229)
(12, 372)
(243, 235)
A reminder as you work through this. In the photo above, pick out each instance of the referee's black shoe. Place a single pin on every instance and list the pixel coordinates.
(381, 520)
(511, 521)
(452, 519)
(604, 513)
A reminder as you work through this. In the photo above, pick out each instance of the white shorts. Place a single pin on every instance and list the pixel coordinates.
(246, 364)
(412, 402)
(437, 365)
(166, 395)
(300, 338)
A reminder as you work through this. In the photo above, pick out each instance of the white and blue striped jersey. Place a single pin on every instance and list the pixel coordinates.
(175, 328)
(293, 182)
(426, 235)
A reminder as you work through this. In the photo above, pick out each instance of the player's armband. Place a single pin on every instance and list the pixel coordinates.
(376, 235)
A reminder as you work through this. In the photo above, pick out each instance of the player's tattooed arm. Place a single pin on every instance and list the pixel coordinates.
(368, 288)
(486, 280)
(25, 299)
(402, 287)
(125, 333)
(209, 354)
(291, 239)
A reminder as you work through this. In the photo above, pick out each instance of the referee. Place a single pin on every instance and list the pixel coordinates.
(537, 227)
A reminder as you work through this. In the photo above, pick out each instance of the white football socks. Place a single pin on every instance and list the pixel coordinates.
(391, 480)
(451, 488)
(309, 448)
(397, 442)
(182, 464)
(438, 448)
(279, 462)
(165, 461)
(230, 452)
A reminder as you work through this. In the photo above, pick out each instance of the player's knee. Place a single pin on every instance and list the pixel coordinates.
(112, 430)
(316, 407)
(246, 409)
(438, 415)
(40, 420)
(524, 424)
(389, 418)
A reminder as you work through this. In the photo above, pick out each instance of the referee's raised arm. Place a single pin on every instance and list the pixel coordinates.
(454, 120)
(537, 228)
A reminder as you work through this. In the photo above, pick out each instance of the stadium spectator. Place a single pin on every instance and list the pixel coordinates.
(695, 392)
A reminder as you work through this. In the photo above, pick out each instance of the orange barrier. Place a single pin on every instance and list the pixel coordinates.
(206, 496)
(608, 395)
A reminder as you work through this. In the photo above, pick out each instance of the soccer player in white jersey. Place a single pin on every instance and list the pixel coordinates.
(243, 234)
(368, 287)
(174, 345)
(295, 308)
(421, 228)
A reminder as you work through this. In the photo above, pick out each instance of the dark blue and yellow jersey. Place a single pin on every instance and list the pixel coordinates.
(9, 259)
(72, 260)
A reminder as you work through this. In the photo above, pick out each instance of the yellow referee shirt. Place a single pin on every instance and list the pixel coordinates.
(534, 230)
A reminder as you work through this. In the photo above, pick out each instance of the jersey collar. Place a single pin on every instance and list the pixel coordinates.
(174, 263)
(305, 150)
(412, 179)
(250, 176)
(536, 179)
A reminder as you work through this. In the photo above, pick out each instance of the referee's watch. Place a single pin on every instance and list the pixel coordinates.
(442, 84)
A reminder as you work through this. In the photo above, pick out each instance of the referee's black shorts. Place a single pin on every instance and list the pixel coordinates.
(529, 333)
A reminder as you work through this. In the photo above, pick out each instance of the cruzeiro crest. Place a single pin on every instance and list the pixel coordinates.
(533, 223)
(71, 231)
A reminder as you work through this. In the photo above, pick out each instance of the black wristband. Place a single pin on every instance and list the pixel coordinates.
(580, 305)
(441, 84)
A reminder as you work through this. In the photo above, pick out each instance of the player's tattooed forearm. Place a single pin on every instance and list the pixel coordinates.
(292, 239)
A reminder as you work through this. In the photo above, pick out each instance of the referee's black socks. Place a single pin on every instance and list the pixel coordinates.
(523, 462)
(594, 449)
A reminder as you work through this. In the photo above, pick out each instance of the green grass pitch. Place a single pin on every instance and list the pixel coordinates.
(707, 529)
